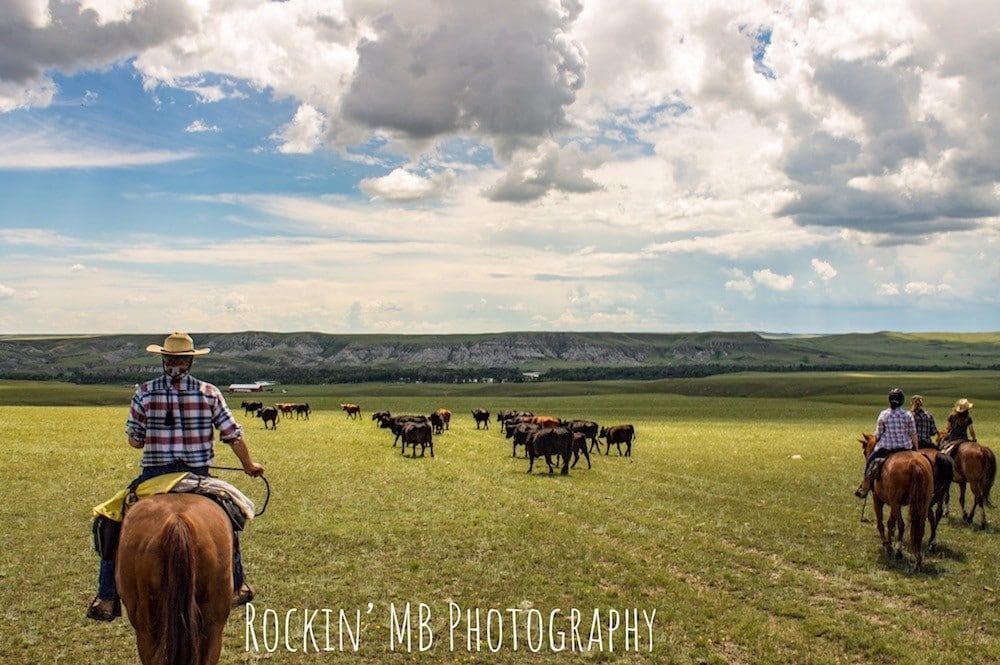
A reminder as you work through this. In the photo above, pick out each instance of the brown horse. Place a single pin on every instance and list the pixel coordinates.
(944, 473)
(175, 576)
(906, 479)
(976, 465)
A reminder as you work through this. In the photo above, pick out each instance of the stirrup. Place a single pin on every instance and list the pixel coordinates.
(97, 614)
(243, 596)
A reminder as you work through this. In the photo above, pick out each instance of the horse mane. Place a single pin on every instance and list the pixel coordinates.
(181, 644)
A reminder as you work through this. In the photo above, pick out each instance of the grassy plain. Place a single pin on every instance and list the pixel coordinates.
(734, 520)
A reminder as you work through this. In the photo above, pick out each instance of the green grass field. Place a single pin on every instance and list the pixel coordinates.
(734, 520)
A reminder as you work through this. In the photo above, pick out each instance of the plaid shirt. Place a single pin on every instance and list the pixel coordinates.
(197, 408)
(893, 429)
(926, 429)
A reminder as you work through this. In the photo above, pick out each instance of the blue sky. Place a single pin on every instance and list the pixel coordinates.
(465, 167)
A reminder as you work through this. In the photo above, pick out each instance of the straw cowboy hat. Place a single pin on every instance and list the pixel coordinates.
(177, 344)
(963, 405)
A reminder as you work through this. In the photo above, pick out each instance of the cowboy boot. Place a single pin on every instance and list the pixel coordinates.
(243, 596)
(104, 609)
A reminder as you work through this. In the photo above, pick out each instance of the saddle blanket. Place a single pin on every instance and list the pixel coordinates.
(182, 481)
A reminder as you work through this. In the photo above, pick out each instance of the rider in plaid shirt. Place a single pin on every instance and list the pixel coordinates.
(926, 428)
(172, 420)
(894, 430)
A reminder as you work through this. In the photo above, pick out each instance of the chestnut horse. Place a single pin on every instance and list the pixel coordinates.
(976, 465)
(175, 576)
(906, 479)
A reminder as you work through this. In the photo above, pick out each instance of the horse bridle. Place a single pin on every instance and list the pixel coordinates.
(267, 486)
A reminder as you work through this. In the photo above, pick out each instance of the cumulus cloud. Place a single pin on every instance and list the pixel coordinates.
(825, 271)
(773, 280)
(6, 293)
(550, 167)
(925, 289)
(888, 289)
(198, 127)
(303, 134)
(740, 283)
(402, 185)
(71, 36)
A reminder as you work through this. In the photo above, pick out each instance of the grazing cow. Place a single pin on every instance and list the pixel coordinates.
(445, 417)
(249, 407)
(437, 422)
(506, 415)
(302, 410)
(352, 410)
(269, 413)
(519, 434)
(286, 408)
(618, 435)
(395, 425)
(545, 421)
(482, 417)
(415, 434)
(549, 441)
(379, 415)
(586, 427)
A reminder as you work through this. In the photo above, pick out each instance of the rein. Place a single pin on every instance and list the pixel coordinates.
(267, 486)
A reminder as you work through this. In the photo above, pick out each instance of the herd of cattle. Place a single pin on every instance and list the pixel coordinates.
(541, 436)
(269, 414)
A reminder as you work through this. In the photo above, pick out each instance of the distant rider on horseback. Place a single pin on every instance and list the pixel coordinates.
(894, 430)
(926, 427)
(959, 427)
(172, 420)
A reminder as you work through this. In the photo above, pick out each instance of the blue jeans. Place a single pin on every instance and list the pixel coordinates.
(106, 587)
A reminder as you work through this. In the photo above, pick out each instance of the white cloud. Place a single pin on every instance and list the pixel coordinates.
(402, 185)
(6, 293)
(740, 283)
(888, 289)
(825, 271)
(198, 126)
(303, 134)
(77, 267)
(44, 150)
(773, 280)
(925, 289)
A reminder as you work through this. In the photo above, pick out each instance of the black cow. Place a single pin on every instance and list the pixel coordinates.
(395, 425)
(618, 435)
(269, 413)
(249, 407)
(302, 410)
(415, 434)
(482, 417)
(586, 427)
(379, 415)
(511, 424)
(549, 441)
(578, 446)
(437, 422)
(506, 415)
(520, 433)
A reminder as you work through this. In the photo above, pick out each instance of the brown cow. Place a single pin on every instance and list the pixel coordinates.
(445, 417)
(352, 410)
(544, 421)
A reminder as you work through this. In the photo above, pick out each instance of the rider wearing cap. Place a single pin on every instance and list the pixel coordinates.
(172, 420)
(894, 430)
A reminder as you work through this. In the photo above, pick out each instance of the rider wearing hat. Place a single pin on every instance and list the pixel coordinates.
(960, 423)
(894, 430)
(172, 420)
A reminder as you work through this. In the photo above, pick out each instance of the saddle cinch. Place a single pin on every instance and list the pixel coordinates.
(237, 506)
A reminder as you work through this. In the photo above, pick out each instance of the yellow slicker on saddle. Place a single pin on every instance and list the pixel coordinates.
(112, 508)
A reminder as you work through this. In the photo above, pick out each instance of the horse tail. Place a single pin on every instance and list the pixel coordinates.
(920, 501)
(178, 607)
(990, 474)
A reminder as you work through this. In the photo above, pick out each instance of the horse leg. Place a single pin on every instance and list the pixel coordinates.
(886, 546)
(961, 501)
(896, 513)
(934, 516)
